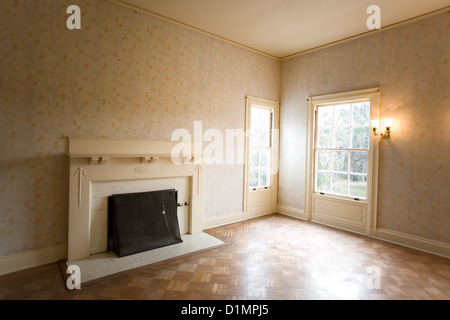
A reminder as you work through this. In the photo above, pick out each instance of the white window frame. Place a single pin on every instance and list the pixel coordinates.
(349, 150)
(372, 162)
(261, 201)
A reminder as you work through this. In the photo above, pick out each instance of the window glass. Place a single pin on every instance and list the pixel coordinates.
(342, 142)
(260, 147)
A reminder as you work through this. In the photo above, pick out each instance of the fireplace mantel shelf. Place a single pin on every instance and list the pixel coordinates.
(101, 150)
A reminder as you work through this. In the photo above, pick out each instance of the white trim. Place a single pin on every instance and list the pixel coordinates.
(292, 212)
(398, 238)
(340, 223)
(217, 221)
(344, 96)
(372, 175)
(369, 33)
(270, 206)
(33, 258)
(250, 216)
(121, 148)
(414, 242)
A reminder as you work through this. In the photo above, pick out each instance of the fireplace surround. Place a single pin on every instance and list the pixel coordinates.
(101, 160)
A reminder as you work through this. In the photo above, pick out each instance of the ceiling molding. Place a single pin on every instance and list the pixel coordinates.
(165, 19)
(394, 25)
(214, 36)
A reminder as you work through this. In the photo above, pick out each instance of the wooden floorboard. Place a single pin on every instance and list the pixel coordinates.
(270, 258)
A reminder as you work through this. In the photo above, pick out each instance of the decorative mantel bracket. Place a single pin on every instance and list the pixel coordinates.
(149, 159)
(99, 160)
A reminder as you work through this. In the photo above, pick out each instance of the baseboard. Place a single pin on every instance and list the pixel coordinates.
(292, 212)
(414, 242)
(222, 220)
(33, 258)
(403, 239)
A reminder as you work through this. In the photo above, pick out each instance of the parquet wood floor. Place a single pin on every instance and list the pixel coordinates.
(270, 258)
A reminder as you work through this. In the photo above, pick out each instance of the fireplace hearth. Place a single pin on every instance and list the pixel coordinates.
(143, 221)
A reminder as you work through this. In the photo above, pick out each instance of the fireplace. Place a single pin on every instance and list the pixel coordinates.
(134, 166)
(143, 221)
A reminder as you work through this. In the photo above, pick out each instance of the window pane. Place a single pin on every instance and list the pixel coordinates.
(323, 181)
(340, 183)
(255, 117)
(342, 137)
(341, 128)
(358, 186)
(254, 177)
(325, 116)
(264, 182)
(323, 160)
(342, 115)
(340, 161)
(264, 138)
(265, 157)
(265, 117)
(260, 127)
(358, 161)
(360, 137)
(254, 157)
(325, 139)
(361, 114)
(254, 140)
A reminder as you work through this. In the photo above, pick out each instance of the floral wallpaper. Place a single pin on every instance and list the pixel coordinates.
(411, 64)
(122, 75)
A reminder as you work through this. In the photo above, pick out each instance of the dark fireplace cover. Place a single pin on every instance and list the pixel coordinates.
(142, 221)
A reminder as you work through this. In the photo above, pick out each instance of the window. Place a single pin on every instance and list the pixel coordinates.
(261, 125)
(341, 149)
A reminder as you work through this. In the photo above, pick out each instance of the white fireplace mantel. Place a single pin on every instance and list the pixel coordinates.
(97, 160)
(120, 148)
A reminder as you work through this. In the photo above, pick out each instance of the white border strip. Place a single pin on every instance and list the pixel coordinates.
(414, 242)
(399, 238)
(33, 258)
(364, 34)
(292, 212)
(222, 220)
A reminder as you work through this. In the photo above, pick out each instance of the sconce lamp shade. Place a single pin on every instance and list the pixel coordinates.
(375, 123)
(388, 123)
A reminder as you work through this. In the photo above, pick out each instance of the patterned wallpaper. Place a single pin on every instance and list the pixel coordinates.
(411, 64)
(123, 75)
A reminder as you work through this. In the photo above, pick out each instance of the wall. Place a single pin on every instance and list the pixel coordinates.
(123, 75)
(411, 65)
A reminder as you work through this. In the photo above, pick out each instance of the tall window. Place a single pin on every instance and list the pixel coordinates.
(260, 146)
(341, 149)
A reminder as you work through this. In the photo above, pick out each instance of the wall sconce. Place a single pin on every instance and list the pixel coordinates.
(386, 133)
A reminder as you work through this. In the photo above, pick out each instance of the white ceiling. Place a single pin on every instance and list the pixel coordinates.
(285, 27)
